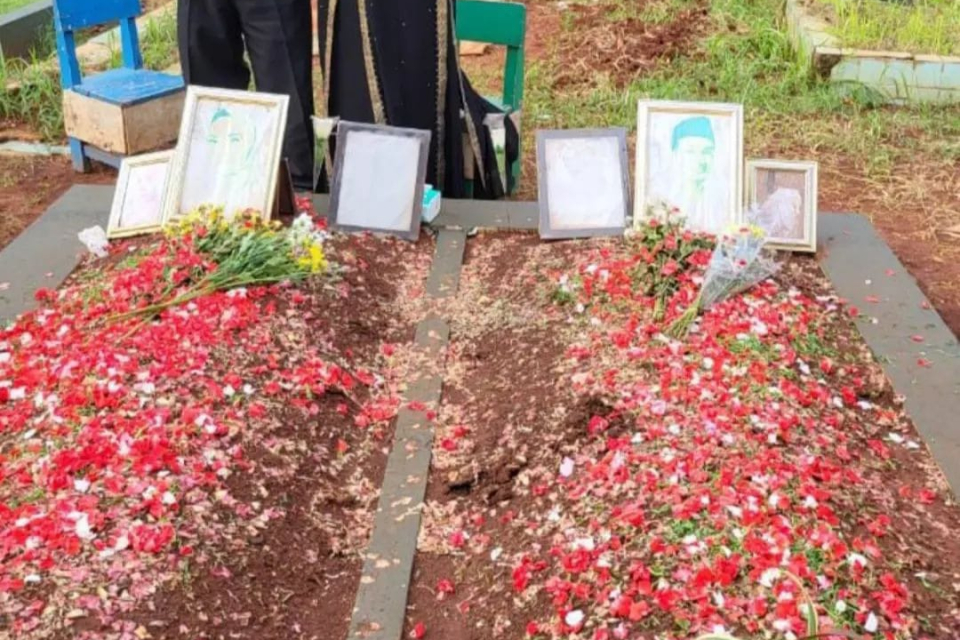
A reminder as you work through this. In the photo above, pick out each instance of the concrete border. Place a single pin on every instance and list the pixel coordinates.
(857, 260)
(50, 246)
(381, 605)
(899, 76)
(21, 29)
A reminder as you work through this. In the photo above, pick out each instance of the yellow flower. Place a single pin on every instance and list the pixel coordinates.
(314, 260)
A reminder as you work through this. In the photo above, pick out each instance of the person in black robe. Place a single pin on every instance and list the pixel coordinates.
(396, 63)
(277, 35)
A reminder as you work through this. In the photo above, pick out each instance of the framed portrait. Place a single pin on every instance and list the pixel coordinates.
(782, 200)
(228, 152)
(378, 179)
(690, 157)
(583, 182)
(138, 199)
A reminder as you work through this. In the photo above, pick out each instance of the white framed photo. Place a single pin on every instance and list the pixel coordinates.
(690, 157)
(228, 152)
(138, 199)
(378, 179)
(782, 200)
(584, 182)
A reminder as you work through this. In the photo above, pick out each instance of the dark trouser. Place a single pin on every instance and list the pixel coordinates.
(278, 38)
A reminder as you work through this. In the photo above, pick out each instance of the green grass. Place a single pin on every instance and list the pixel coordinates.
(745, 57)
(10, 5)
(925, 26)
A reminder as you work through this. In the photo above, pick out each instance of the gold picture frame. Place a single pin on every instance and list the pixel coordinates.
(777, 205)
(224, 150)
(140, 190)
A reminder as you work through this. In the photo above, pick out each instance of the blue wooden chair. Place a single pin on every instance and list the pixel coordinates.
(119, 112)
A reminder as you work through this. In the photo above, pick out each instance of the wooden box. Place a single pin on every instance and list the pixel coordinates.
(123, 129)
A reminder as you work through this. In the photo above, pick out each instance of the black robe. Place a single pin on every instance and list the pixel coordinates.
(395, 62)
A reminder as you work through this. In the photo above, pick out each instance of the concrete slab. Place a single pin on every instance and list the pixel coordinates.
(380, 609)
(444, 275)
(927, 374)
(46, 253)
(381, 603)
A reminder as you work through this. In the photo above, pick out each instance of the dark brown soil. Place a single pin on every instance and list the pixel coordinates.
(504, 386)
(30, 184)
(622, 49)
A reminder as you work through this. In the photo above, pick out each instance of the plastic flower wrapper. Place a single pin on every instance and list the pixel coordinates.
(739, 261)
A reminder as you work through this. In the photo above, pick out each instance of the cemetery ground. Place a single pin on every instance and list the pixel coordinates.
(214, 473)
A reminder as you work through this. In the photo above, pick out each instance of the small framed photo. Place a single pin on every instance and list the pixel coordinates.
(138, 200)
(690, 157)
(583, 182)
(378, 179)
(782, 200)
(228, 152)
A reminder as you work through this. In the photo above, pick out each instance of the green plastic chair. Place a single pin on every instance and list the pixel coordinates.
(503, 24)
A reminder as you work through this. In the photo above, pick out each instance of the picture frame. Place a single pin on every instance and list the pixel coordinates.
(583, 180)
(138, 200)
(392, 158)
(690, 156)
(784, 208)
(228, 152)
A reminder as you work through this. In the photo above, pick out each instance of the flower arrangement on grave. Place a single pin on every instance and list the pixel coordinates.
(739, 261)
(666, 251)
(246, 250)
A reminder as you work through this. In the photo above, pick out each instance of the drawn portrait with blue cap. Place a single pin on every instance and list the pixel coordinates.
(690, 166)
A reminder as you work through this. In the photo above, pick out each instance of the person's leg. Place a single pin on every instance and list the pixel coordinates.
(211, 44)
(280, 44)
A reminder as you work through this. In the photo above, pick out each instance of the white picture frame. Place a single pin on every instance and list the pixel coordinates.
(378, 179)
(784, 208)
(690, 156)
(228, 152)
(583, 182)
(138, 200)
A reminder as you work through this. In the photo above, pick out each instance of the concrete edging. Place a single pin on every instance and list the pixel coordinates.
(899, 76)
(859, 264)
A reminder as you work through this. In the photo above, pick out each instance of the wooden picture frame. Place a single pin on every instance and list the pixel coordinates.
(140, 191)
(578, 161)
(696, 165)
(229, 147)
(775, 207)
(362, 176)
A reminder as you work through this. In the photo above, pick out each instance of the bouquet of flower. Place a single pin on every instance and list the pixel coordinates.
(239, 252)
(738, 262)
(665, 253)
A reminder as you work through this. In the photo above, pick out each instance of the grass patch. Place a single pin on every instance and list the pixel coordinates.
(9, 5)
(745, 57)
(922, 26)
